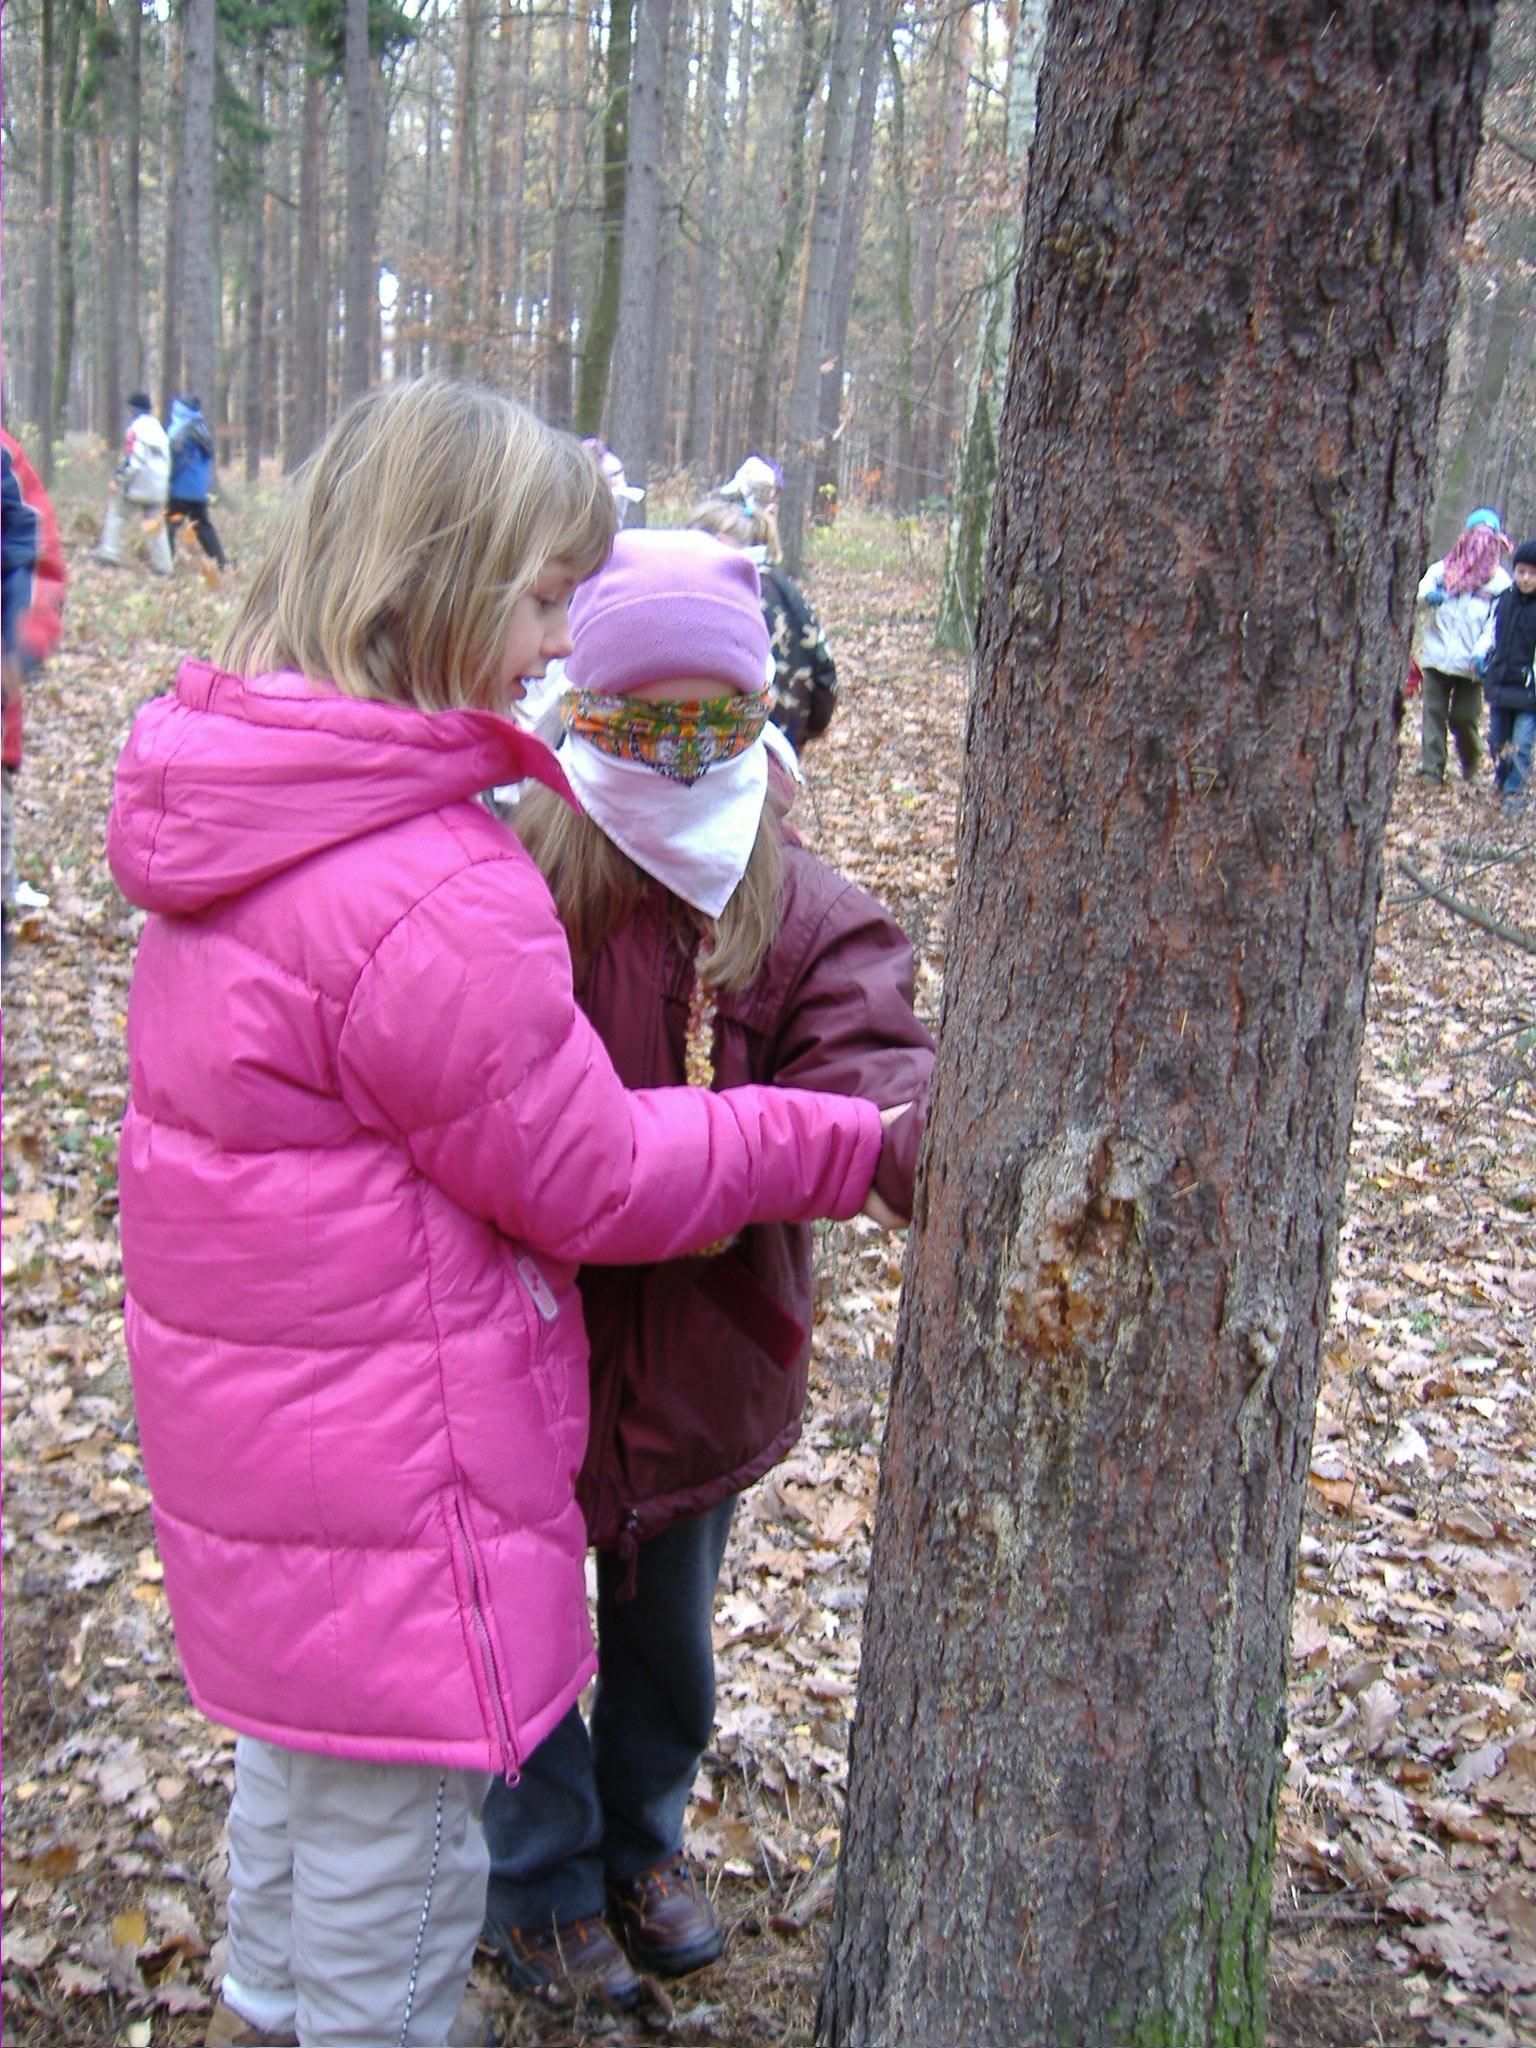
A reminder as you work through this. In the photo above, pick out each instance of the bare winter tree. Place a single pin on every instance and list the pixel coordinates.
(362, 282)
(1237, 274)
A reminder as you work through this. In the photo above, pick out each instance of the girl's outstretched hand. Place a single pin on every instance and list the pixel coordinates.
(877, 1206)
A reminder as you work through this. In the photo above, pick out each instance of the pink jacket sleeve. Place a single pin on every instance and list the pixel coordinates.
(464, 1041)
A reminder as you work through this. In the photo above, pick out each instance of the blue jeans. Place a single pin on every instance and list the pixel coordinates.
(595, 1807)
(1511, 741)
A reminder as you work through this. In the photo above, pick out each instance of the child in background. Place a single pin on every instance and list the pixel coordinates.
(33, 600)
(191, 450)
(711, 947)
(369, 1139)
(1460, 592)
(1510, 685)
(804, 673)
(143, 480)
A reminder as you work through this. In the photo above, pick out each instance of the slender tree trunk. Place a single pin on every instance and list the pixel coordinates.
(559, 365)
(492, 272)
(64, 247)
(463, 180)
(765, 373)
(850, 228)
(901, 468)
(362, 282)
(256, 285)
(40, 404)
(698, 442)
(1238, 271)
(674, 97)
(197, 199)
(603, 324)
(109, 241)
(133, 368)
(970, 501)
(171, 185)
(630, 430)
(816, 284)
(308, 281)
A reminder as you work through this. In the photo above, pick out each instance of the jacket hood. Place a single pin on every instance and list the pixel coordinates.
(229, 781)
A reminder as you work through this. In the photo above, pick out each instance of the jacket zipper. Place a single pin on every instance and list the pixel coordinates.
(509, 1757)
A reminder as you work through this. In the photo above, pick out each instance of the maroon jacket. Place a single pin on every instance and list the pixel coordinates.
(699, 1365)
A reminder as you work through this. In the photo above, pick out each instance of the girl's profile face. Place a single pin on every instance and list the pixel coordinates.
(539, 632)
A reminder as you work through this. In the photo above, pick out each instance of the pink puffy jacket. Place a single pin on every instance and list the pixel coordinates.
(369, 1139)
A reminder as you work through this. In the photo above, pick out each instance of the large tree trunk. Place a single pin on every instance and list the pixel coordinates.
(362, 280)
(198, 266)
(1236, 284)
(816, 283)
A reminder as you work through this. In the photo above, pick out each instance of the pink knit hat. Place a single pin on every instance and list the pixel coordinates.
(667, 603)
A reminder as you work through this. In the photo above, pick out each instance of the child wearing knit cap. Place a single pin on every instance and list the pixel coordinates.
(710, 947)
(1509, 683)
(1460, 593)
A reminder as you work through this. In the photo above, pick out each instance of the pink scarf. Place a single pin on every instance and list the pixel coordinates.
(1473, 559)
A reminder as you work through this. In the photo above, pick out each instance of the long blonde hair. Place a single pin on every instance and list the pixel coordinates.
(412, 531)
(596, 887)
(728, 519)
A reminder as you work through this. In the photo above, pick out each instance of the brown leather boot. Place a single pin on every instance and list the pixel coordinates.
(665, 1918)
(578, 1963)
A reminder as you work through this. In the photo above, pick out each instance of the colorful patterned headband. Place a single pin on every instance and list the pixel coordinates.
(680, 741)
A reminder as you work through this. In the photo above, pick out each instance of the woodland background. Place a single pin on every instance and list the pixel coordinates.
(815, 203)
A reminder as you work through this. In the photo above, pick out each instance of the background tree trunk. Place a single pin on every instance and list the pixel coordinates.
(309, 275)
(463, 179)
(174, 211)
(970, 502)
(850, 226)
(256, 285)
(596, 355)
(40, 405)
(816, 284)
(698, 440)
(1240, 241)
(64, 247)
(362, 282)
(630, 426)
(106, 71)
(133, 367)
(760, 434)
(199, 268)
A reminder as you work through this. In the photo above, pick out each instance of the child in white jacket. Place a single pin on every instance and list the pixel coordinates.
(1461, 592)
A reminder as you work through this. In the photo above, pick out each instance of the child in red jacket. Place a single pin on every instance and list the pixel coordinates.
(710, 947)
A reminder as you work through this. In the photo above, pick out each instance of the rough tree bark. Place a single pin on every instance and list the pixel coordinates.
(1238, 268)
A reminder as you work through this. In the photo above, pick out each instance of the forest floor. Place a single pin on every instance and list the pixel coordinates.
(1405, 1882)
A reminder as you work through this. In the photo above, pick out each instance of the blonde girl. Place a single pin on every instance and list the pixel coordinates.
(369, 1139)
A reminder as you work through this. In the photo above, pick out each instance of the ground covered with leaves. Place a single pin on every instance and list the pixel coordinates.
(1405, 1883)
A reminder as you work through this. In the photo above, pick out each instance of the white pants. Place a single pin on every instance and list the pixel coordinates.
(357, 1891)
(110, 546)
